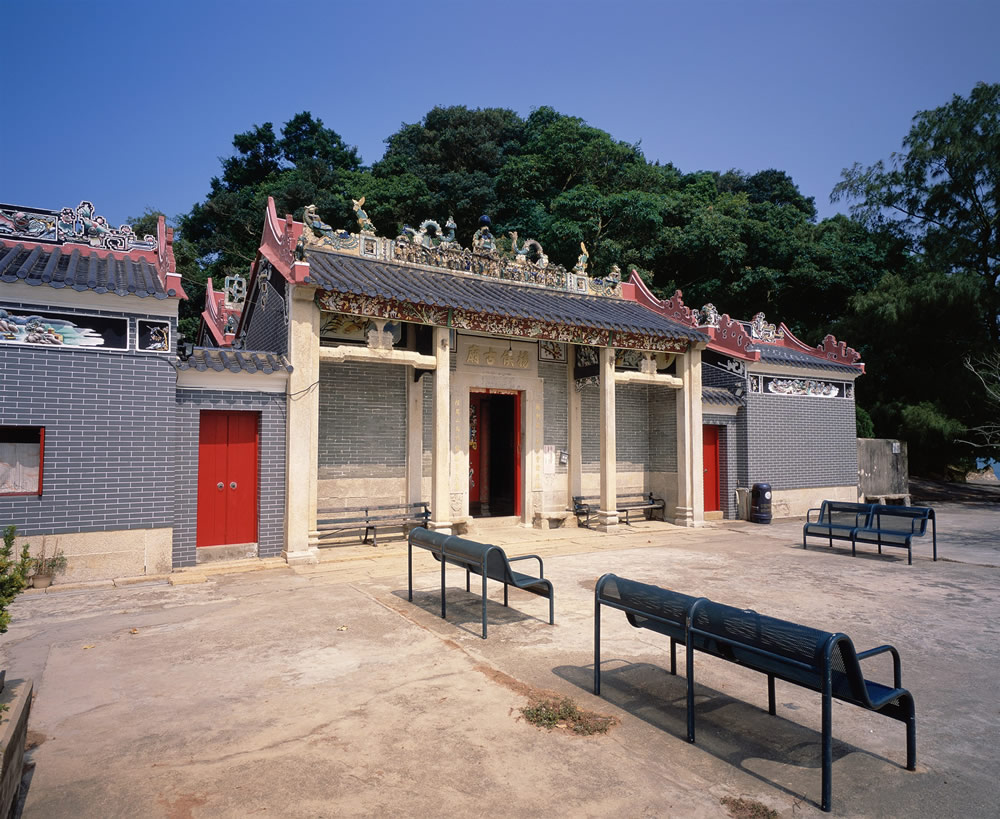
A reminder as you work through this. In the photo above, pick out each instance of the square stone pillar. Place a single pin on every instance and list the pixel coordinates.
(607, 515)
(441, 448)
(574, 415)
(302, 427)
(690, 509)
(414, 437)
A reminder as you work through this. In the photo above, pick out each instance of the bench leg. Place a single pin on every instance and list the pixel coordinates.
(552, 605)
(442, 585)
(597, 646)
(827, 740)
(934, 532)
(690, 691)
(375, 536)
(467, 586)
(770, 694)
(673, 656)
(911, 739)
(505, 594)
(409, 569)
(484, 602)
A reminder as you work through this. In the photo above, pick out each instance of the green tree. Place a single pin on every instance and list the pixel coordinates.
(942, 192)
(13, 574)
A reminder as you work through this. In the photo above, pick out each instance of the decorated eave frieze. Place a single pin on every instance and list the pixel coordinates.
(373, 307)
(432, 246)
(79, 225)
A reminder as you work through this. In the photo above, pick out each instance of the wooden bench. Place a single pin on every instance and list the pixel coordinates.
(584, 506)
(874, 523)
(897, 526)
(368, 519)
(820, 661)
(484, 559)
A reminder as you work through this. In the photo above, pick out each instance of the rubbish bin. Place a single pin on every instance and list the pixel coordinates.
(760, 503)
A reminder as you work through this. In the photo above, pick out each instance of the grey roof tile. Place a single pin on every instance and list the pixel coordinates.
(79, 267)
(221, 359)
(349, 274)
(782, 355)
(720, 396)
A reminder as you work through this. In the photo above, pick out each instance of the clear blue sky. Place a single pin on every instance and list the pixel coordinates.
(132, 105)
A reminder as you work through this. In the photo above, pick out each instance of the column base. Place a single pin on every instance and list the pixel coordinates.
(684, 516)
(301, 557)
(606, 521)
(440, 526)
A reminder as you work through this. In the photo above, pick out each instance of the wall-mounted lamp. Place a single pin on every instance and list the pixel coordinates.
(738, 392)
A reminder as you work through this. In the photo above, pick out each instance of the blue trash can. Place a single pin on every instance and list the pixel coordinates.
(760, 503)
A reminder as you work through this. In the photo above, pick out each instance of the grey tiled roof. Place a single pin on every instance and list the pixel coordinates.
(721, 397)
(80, 268)
(349, 274)
(236, 361)
(782, 355)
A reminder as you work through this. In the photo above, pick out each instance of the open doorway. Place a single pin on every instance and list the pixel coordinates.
(494, 454)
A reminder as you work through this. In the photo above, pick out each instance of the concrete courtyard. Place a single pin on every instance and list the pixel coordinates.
(324, 692)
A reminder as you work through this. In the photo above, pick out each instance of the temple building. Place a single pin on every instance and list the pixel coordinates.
(349, 369)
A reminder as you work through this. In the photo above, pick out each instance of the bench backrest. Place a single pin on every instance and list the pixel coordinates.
(469, 553)
(901, 518)
(645, 605)
(844, 513)
(791, 651)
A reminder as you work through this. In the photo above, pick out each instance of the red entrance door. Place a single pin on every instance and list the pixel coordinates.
(710, 456)
(227, 478)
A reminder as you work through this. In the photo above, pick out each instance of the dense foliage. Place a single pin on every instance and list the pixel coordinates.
(919, 252)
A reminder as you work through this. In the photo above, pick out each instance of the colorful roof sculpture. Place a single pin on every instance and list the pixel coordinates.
(74, 248)
(754, 340)
(424, 276)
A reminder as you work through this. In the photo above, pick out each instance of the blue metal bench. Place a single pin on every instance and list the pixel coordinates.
(836, 520)
(484, 559)
(897, 526)
(817, 660)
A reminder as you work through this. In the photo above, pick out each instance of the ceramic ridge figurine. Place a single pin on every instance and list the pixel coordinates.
(482, 239)
(581, 262)
(363, 221)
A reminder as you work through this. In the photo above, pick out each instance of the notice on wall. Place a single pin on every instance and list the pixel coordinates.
(549, 459)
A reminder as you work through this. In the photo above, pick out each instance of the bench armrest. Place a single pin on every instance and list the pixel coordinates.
(809, 515)
(897, 676)
(541, 569)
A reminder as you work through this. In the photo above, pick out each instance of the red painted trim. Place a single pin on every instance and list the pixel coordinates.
(41, 465)
(518, 449)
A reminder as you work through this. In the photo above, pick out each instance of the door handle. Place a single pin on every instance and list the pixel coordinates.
(232, 484)
(221, 485)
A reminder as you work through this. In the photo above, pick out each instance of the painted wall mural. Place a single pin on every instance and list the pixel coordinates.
(62, 330)
(801, 387)
(154, 336)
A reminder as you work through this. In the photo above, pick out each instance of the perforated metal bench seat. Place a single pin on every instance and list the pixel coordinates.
(484, 559)
(896, 526)
(817, 660)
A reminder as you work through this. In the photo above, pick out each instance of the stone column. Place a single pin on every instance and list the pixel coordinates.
(414, 437)
(440, 484)
(690, 510)
(575, 428)
(608, 514)
(302, 427)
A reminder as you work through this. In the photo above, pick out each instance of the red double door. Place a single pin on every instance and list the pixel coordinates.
(227, 478)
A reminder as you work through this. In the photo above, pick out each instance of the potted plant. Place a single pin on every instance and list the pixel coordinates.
(45, 567)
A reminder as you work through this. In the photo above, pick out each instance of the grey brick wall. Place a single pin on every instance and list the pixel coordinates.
(266, 326)
(556, 411)
(590, 427)
(109, 421)
(662, 429)
(271, 466)
(362, 420)
(798, 442)
(632, 426)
